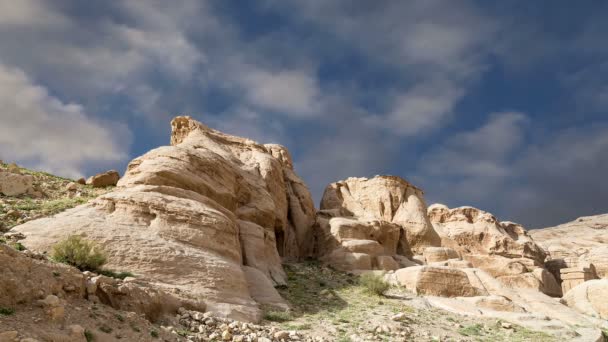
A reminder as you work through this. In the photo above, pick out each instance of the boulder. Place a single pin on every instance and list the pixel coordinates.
(386, 198)
(589, 298)
(469, 230)
(101, 180)
(437, 281)
(386, 263)
(15, 184)
(195, 212)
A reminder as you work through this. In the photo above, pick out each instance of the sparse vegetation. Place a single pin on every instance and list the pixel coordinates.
(373, 284)
(471, 330)
(88, 335)
(154, 333)
(277, 316)
(80, 253)
(6, 311)
(17, 245)
(106, 329)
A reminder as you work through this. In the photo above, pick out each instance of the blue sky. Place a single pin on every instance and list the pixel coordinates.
(503, 106)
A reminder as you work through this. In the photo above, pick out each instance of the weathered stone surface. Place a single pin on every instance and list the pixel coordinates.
(101, 180)
(580, 243)
(437, 281)
(387, 263)
(14, 184)
(472, 231)
(435, 254)
(262, 289)
(190, 215)
(590, 298)
(386, 198)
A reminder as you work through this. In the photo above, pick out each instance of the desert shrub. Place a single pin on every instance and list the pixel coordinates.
(17, 245)
(6, 311)
(373, 283)
(154, 333)
(80, 253)
(471, 330)
(277, 316)
(88, 335)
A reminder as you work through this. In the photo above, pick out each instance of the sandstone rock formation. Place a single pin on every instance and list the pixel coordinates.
(384, 198)
(108, 178)
(472, 231)
(437, 281)
(582, 243)
(15, 183)
(503, 249)
(190, 215)
(590, 298)
(372, 223)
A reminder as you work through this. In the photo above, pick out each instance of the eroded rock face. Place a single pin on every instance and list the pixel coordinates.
(590, 298)
(437, 281)
(580, 243)
(385, 198)
(472, 231)
(190, 215)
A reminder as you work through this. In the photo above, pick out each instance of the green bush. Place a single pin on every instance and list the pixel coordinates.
(78, 252)
(373, 283)
(6, 311)
(277, 316)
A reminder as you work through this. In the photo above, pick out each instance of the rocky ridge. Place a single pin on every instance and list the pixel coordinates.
(209, 225)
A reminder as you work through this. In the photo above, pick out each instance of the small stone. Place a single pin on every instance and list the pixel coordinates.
(399, 317)
(226, 335)
(506, 325)
(14, 214)
(81, 181)
(71, 186)
(76, 330)
(280, 335)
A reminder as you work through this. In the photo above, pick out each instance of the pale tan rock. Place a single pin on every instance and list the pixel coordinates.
(437, 281)
(435, 254)
(589, 298)
(386, 263)
(385, 198)
(472, 231)
(195, 213)
(14, 184)
(101, 180)
(262, 289)
(347, 261)
(581, 242)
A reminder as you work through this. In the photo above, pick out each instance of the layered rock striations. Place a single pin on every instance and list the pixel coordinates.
(191, 216)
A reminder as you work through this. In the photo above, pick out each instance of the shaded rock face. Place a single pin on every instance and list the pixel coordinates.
(191, 215)
(385, 199)
(108, 178)
(469, 230)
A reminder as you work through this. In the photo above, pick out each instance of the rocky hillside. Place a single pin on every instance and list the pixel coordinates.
(217, 238)
(26, 195)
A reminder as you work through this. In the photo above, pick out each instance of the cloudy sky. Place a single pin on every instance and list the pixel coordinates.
(499, 105)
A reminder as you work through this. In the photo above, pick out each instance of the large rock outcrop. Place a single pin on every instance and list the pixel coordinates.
(503, 249)
(372, 223)
(582, 243)
(472, 231)
(189, 216)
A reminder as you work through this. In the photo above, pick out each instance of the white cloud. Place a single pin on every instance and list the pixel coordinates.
(29, 13)
(291, 92)
(43, 132)
(421, 109)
